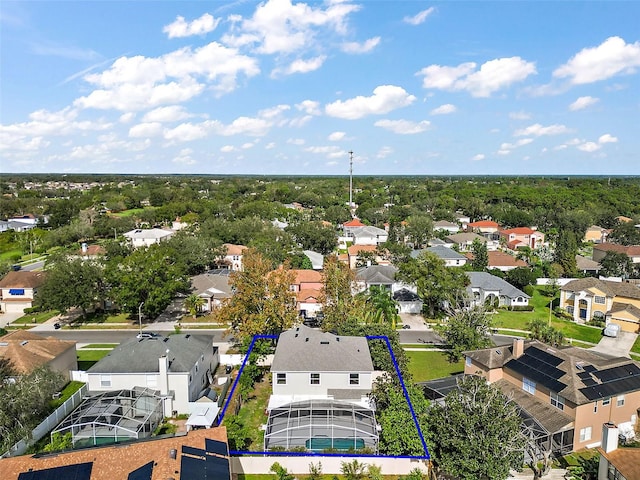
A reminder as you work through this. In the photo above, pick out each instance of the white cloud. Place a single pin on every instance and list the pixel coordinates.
(607, 138)
(184, 157)
(589, 147)
(336, 136)
(444, 109)
(280, 27)
(384, 152)
(172, 113)
(612, 57)
(296, 141)
(187, 132)
(385, 98)
(309, 106)
(127, 117)
(227, 148)
(364, 47)
(506, 148)
(144, 130)
(270, 146)
(538, 130)
(403, 127)
(420, 17)
(324, 150)
(519, 116)
(582, 103)
(300, 66)
(492, 76)
(181, 28)
(247, 145)
(478, 157)
(300, 121)
(137, 83)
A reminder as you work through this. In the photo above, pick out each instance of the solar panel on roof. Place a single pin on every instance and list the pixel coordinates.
(584, 375)
(535, 375)
(544, 356)
(217, 468)
(214, 446)
(589, 368)
(589, 382)
(193, 451)
(621, 371)
(191, 467)
(142, 473)
(611, 388)
(79, 471)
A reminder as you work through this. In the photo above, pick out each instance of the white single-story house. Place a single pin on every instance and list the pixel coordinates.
(485, 288)
(147, 237)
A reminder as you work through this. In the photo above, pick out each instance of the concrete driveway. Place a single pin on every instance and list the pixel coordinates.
(415, 321)
(616, 346)
(7, 318)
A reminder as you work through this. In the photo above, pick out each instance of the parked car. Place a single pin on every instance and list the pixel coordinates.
(612, 330)
(406, 326)
(15, 268)
(57, 325)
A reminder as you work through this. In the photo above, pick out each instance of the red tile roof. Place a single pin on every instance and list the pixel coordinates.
(307, 276)
(308, 294)
(353, 223)
(519, 231)
(483, 223)
(355, 249)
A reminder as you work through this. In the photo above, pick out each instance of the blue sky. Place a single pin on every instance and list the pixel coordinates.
(286, 87)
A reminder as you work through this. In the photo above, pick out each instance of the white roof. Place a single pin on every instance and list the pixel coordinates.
(148, 234)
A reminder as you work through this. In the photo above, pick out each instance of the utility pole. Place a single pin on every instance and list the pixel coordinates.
(140, 316)
(350, 179)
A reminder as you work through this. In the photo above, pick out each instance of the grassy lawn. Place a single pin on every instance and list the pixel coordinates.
(519, 320)
(427, 365)
(636, 346)
(70, 389)
(110, 346)
(104, 317)
(39, 317)
(87, 358)
(130, 213)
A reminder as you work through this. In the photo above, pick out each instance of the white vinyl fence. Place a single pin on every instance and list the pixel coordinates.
(48, 423)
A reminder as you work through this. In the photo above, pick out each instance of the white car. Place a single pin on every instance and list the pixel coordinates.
(612, 330)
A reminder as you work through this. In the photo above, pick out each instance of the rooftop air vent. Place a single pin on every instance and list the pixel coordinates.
(324, 343)
(24, 342)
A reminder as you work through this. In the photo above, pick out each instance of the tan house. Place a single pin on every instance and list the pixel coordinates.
(28, 351)
(567, 393)
(592, 298)
(520, 237)
(502, 261)
(233, 257)
(483, 226)
(307, 286)
(18, 290)
(596, 234)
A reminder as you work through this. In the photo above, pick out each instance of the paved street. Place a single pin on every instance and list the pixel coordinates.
(118, 336)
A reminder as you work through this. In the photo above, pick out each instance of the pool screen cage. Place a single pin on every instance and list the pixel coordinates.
(319, 425)
(112, 417)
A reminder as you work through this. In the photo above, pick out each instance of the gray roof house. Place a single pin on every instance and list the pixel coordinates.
(368, 235)
(381, 275)
(446, 226)
(449, 255)
(180, 366)
(213, 286)
(464, 241)
(485, 288)
(329, 375)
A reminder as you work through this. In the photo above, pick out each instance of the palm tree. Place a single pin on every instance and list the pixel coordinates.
(385, 307)
(193, 303)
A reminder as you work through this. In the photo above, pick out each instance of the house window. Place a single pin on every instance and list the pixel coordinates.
(620, 401)
(528, 385)
(16, 291)
(599, 299)
(570, 309)
(519, 300)
(152, 381)
(281, 378)
(105, 381)
(467, 361)
(585, 434)
(354, 379)
(557, 400)
(595, 407)
(314, 379)
(606, 401)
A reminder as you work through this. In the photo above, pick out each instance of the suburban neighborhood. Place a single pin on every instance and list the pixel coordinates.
(274, 334)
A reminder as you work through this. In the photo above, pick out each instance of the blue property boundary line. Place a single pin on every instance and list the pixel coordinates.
(426, 455)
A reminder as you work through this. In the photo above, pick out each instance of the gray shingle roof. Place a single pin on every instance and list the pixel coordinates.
(446, 253)
(141, 355)
(486, 281)
(304, 349)
(377, 274)
(202, 283)
(368, 231)
(611, 289)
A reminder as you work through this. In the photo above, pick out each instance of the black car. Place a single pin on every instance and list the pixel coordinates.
(57, 325)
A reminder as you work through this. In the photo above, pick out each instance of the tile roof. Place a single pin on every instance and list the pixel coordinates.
(28, 351)
(307, 276)
(92, 250)
(631, 250)
(304, 349)
(353, 223)
(519, 231)
(584, 263)
(618, 307)
(22, 279)
(116, 462)
(445, 253)
(355, 249)
(483, 223)
(503, 259)
(234, 249)
(368, 231)
(307, 294)
(466, 237)
(445, 224)
(141, 355)
(201, 284)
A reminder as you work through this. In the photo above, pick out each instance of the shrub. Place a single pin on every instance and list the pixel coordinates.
(521, 308)
(528, 289)
(35, 309)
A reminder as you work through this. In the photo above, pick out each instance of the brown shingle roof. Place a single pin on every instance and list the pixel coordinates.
(618, 307)
(631, 250)
(22, 279)
(116, 462)
(626, 461)
(234, 249)
(27, 350)
(612, 289)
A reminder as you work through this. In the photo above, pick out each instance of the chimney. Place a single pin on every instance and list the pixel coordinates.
(609, 437)
(518, 347)
(163, 363)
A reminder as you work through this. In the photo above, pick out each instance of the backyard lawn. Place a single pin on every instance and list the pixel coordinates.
(71, 388)
(87, 358)
(252, 413)
(428, 365)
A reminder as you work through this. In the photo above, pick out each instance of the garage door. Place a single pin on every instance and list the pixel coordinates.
(14, 307)
(626, 325)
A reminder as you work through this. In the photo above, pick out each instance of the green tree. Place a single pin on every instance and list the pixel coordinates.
(384, 306)
(541, 331)
(315, 471)
(353, 470)
(280, 472)
(617, 264)
(475, 433)
(565, 253)
(439, 286)
(465, 329)
(59, 442)
(147, 275)
(314, 236)
(237, 433)
(480, 256)
(625, 233)
(419, 230)
(338, 304)
(520, 277)
(194, 303)
(263, 302)
(72, 283)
